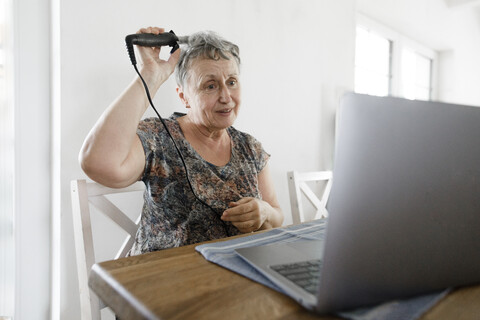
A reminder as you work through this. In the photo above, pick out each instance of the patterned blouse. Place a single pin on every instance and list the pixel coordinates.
(171, 215)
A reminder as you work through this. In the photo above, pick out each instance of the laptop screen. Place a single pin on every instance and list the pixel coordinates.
(404, 209)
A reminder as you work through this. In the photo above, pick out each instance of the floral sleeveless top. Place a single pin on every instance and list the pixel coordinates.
(172, 216)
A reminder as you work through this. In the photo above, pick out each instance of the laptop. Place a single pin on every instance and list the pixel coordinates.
(404, 209)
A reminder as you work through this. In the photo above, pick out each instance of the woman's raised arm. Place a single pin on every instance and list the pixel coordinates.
(112, 153)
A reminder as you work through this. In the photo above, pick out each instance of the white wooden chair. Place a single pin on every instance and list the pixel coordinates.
(84, 193)
(297, 185)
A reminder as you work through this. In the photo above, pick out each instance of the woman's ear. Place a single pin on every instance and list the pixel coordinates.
(183, 98)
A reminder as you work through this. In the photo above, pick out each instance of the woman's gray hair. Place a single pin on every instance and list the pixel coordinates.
(204, 44)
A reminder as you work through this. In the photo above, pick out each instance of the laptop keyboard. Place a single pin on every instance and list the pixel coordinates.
(305, 274)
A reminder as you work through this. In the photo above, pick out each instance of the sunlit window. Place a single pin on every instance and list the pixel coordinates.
(372, 63)
(416, 75)
(388, 63)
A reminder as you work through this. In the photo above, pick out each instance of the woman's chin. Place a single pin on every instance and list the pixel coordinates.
(225, 120)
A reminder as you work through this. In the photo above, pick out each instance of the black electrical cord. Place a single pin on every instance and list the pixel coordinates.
(176, 147)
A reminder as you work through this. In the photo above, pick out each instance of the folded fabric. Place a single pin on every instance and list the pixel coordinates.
(223, 254)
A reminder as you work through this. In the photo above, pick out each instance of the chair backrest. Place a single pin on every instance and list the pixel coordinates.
(83, 194)
(297, 185)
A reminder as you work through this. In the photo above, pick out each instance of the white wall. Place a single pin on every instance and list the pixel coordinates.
(293, 66)
(297, 58)
(461, 74)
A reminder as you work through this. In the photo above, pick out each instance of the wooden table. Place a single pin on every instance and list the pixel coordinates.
(180, 284)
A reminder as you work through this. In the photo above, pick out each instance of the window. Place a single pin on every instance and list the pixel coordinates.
(372, 63)
(387, 63)
(7, 256)
(416, 75)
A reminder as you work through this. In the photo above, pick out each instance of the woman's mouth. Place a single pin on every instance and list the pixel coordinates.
(225, 111)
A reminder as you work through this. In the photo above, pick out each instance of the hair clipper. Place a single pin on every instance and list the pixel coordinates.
(151, 40)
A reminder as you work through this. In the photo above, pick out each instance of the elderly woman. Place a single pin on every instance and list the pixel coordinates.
(228, 190)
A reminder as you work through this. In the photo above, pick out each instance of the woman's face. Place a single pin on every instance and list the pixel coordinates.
(212, 93)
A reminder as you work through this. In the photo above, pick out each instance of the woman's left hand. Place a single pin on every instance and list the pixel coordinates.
(247, 214)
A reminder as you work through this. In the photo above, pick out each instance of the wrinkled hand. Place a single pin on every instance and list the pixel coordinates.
(152, 64)
(247, 214)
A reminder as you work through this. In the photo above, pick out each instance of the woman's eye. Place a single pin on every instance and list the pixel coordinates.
(210, 86)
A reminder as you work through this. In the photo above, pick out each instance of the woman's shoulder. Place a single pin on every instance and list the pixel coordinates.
(242, 136)
(154, 125)
(249, 147)
(245, 141)
(238, 134)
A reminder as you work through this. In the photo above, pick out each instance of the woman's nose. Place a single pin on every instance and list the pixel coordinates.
(225, 96)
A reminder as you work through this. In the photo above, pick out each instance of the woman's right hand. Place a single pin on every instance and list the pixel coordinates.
(155, 70)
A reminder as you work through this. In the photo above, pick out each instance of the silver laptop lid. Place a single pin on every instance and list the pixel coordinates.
(404, 209)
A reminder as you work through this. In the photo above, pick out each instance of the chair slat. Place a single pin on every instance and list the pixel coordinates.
(115, 214)
(297, 186)
(311, 196)
(96, 189)
(83, 194)
(128, 243)
(89, 302)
